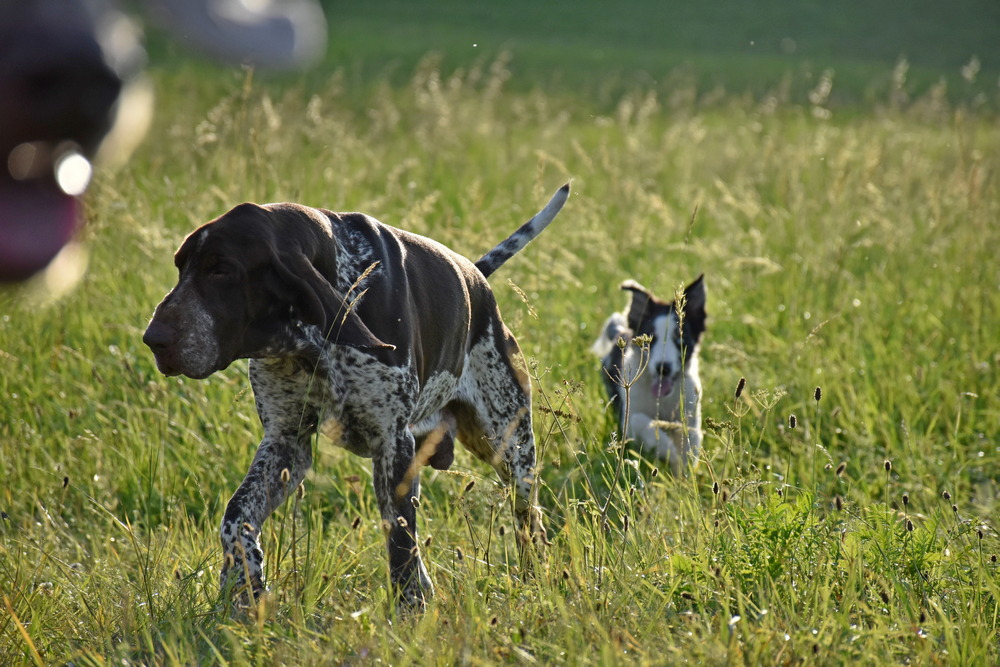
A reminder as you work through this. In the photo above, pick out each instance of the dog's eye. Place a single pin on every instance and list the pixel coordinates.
(221, 271)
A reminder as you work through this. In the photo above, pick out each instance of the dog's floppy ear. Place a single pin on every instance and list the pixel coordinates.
(694, 308)
(640, 303)
(316, 302)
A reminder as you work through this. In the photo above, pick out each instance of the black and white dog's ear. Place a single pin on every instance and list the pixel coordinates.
(694, 295)
(694, 307)
(640, 303)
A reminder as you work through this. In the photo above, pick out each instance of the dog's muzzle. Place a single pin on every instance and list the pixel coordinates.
(162, 339)
(663, 381)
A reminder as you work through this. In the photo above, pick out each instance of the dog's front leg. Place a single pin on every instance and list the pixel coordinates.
(692, 412)
(279, 466)
(397, 487)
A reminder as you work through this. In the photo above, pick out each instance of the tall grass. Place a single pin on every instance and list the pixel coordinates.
(853, 256)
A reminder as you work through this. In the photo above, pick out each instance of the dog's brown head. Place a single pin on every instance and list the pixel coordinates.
(248, 281)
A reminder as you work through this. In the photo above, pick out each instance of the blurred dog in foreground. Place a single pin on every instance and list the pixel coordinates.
(74, 97)
(655, 389)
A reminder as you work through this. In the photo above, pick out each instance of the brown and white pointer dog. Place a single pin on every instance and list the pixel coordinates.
(390, 336)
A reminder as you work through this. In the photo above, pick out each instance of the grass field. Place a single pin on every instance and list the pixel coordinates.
(848, 245)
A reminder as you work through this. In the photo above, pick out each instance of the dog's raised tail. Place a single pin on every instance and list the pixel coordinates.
(510, 246)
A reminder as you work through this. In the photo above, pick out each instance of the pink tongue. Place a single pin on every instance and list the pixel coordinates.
(662, 387)
(35, 224)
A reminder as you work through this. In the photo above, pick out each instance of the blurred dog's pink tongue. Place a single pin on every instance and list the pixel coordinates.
(662, 387)
(35, 224)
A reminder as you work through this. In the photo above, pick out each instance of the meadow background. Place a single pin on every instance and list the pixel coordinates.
(832, 168)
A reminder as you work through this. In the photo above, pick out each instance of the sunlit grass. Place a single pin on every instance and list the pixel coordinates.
(857, 256)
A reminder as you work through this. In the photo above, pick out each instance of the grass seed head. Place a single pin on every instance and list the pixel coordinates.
(792, 421)
(468, 487)
(65, 481)
(715, 488)
(909, 526)
(740, 386)
(459, 554)
(285, 476)
(841, 468)
(954, 508)
(946, 495)
(838, 502)
(818, 394)
(887, 465)
(906, 500)
(356, 523)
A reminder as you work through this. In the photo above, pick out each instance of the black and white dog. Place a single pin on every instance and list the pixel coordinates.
(661, 409)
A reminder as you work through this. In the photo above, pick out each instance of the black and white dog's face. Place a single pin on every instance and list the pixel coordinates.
(674, 330)
(660, 383)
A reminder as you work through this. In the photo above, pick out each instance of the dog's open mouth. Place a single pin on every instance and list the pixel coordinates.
(662, 386)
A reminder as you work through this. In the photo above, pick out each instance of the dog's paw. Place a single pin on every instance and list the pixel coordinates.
(412, 597)
(531, 528)
(246, 603)
(242, 598)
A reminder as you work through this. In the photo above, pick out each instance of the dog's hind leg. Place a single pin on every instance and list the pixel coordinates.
(493, 411)
(397, 488)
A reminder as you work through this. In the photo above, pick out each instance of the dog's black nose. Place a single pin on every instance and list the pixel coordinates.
(158, 336)
(662, 370)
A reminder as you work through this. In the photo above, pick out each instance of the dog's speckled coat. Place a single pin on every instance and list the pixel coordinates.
(390, 336)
